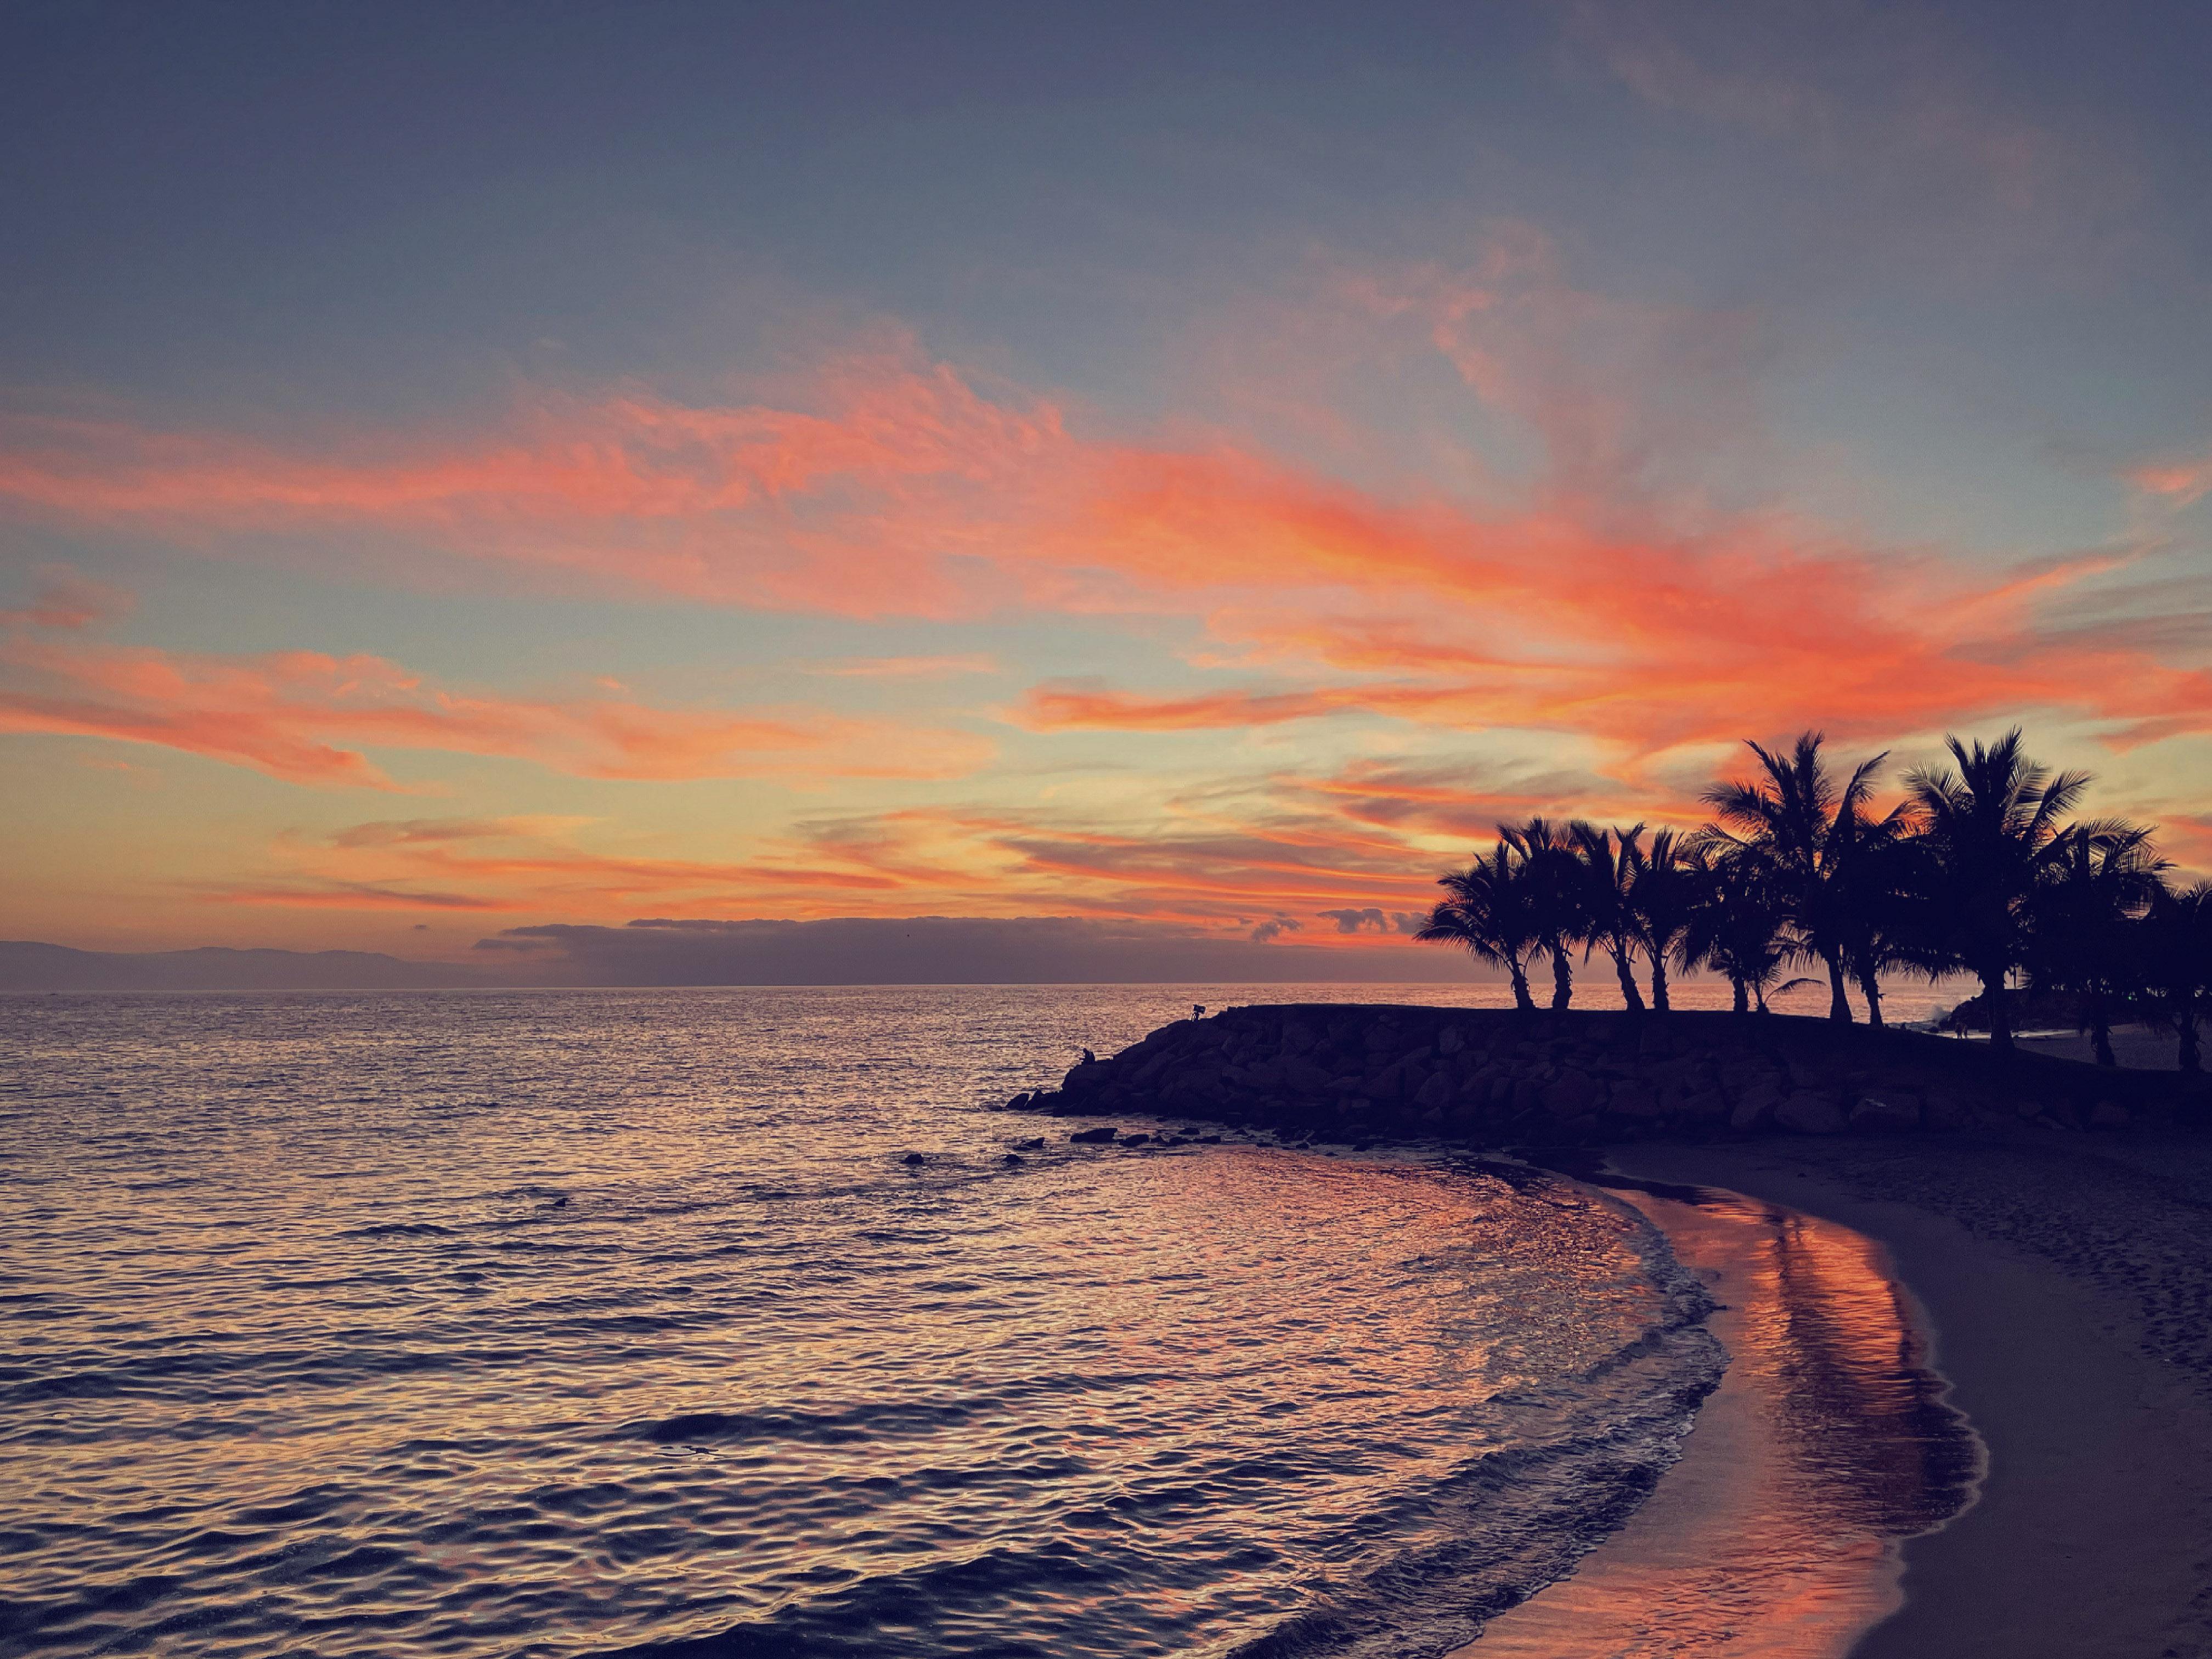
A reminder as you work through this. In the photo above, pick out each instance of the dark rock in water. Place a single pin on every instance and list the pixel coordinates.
(1012, 1160)
(1135, 1140)
(1209, 1140)
(1034, 1143)
(560, 1203)
(1086, 1137)
(1019, 1103)
(914, 1159)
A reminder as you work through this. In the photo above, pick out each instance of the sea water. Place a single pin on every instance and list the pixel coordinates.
(593, 1323)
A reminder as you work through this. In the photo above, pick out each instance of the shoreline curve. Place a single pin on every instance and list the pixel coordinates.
(1776, 1534)
(2091, 1532)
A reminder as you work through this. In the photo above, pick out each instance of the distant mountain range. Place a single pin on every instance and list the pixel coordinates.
(27, 966)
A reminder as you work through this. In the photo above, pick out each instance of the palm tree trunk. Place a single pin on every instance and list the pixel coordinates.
(1562, 974)
(1659, 985)
(1760, 992)
(1522, 999)
(1839, 1001)
(1993, 989)
(1742, 993)
(1870, 988)
(1629, 993)
(2187, 1026)
(2101, 1029)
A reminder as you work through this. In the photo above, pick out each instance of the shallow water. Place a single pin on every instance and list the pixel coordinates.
(1830, 1442)
(588, 1322)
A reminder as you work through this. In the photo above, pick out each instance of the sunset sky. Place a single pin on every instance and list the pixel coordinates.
(1190, 468)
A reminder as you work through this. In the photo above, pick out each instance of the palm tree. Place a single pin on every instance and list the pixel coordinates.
(1555, 886)
(1991, 824)
(1884, 909)
(1663, 900)
(2081, 920)
(2175, 940)
(1609, 859)
(1492, 913)
(1805, 833)
(1736, 928)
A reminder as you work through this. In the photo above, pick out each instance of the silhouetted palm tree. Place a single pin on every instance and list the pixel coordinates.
(2080, 920)
(1555, 888)
(1883, 911)
(2175, 940)
(1804, 832)
(1737, 928)
(1990, 824)
(1609, 859)
(1491, 912)
(1663, 895)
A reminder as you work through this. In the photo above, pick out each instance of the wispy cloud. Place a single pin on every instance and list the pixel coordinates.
(307, 717)
(2177, 480)
(907, 668)
(1594, 606)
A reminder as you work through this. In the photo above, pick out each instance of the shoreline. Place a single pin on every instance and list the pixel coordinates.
(1829, 1440)
(2059, 1286)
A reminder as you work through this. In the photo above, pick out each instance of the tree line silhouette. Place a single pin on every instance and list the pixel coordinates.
(1982, 868)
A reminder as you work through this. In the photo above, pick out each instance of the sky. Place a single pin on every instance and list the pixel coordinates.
(477, 476)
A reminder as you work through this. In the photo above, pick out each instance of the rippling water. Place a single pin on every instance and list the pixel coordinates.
(593, 1323)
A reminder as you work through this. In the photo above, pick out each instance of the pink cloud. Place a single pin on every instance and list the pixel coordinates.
(892, 485)
(2180, 483)
(306, 717)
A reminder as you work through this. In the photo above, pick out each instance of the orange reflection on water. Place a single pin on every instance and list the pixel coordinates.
(1828, 1442)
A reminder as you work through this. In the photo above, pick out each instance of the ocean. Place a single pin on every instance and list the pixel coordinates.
(619, 1322)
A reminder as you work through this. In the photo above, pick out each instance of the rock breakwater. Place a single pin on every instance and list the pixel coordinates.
(1494, 1076)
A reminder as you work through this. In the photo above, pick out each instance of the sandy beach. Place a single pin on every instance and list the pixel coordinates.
(2064, 1285)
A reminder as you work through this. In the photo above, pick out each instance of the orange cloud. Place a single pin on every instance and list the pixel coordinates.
(892, 485)
(1222, 867)
(305, 717)
(905, 668)
(532, 865)
(2181, 482)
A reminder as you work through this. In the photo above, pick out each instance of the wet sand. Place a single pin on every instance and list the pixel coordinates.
(2068, 1284)
(1776, 1536)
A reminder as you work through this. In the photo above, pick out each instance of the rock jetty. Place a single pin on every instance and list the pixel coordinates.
(1496, 1077)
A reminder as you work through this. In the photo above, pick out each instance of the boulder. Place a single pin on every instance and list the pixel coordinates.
(1635, 1100)
(1702, 1106)
(1386, 1084)
(1575, 1094)
(912, 1158)
(1812, 1074)
(1947, 1109)
(1754, 1107)
(1890, 1113)
(1810, 1114)
(1092, 1137)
